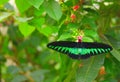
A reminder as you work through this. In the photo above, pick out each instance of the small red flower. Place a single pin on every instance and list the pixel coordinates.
(73, 16)
(76, 7)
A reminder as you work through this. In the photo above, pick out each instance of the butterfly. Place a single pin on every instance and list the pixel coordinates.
(79, 50)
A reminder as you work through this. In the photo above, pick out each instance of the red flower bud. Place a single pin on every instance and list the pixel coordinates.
(73, 16)
(76, 7)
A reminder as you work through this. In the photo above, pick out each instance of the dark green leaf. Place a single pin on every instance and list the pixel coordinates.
(19, 78)
(13, 70)
(116, 54)
(39, 75)
(90, 68)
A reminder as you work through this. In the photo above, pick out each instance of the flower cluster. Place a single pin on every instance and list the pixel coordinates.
(75, 8)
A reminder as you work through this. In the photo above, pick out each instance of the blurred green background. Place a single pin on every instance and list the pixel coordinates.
(27, 26)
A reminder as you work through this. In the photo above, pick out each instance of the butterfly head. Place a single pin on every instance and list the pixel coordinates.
(80, 38)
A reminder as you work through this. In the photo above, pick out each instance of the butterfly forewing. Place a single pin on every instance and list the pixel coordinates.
(62, 46)
(79, 50)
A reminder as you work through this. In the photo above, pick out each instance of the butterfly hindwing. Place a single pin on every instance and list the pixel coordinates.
(79, 50)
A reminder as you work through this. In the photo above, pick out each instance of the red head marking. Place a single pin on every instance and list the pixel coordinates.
(79, 38)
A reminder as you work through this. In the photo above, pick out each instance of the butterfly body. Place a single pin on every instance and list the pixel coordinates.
(79, 50)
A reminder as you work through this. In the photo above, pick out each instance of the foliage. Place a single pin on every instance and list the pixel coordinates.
(26, 27)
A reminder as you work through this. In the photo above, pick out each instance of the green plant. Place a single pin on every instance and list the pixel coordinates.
(26, 29)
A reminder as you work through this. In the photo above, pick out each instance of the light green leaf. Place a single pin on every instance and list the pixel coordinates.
(21, 19)
(90, 68)
(53, 9)
(26, 29)
(65, 36)
(87, 39)
(4, 15)
(48, 30)
(22, 5)
(36, 3)
(3, 1)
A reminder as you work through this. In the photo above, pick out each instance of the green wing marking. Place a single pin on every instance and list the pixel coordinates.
(80, 51)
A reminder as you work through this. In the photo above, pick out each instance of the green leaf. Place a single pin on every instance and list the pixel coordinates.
(90, 68)
(38, 22)
(72, 72)
(13, 70)
(23, 19)
(9, 7)
(3, 1)
(90, 21)
(62, 29)
(5, 43)
(73, 25)
(113, 36)
(116, 54)
(36, 3)
(53, 9)
(2, 58)
(87, 39)
(26, 29)
(4, 15)
(39, 75)
(48, 30)
(92, 33)
(65, 36)
(19, 78)
(22, 5)
(39, 12)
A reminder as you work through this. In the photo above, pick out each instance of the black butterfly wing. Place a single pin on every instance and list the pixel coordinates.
(79, 50)
(62, 46)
